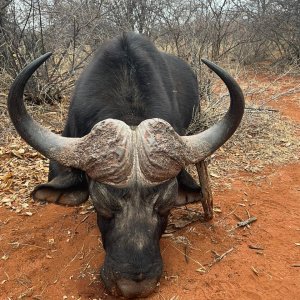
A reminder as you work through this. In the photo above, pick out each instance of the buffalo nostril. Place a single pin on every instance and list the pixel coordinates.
(140, 277)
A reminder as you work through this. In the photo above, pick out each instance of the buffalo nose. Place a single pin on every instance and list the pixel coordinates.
(136, 288)
(140, 277)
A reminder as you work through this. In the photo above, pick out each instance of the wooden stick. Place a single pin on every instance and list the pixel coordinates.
(246, 222)
(256, 247)
(261, 109)
(220, 257)
(296, 265)
(204, 180)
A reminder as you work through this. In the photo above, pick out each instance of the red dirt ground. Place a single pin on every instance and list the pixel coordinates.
(56, 253)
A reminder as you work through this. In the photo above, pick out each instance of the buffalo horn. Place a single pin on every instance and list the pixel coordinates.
(205, 143)
(43, 140)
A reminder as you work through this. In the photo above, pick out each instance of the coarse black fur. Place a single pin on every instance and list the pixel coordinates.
(129, 79)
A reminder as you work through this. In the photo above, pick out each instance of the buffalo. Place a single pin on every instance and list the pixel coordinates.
(124, 146)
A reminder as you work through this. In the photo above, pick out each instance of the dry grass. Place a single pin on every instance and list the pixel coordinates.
(264, 138)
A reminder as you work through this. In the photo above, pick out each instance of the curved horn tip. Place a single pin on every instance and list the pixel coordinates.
(206, 61)
(226, 78)
(38, 61)
(209, 63)
(45, 56)
(214, 137)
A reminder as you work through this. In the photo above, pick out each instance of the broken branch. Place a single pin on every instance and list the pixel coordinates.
(220, 257)
(246, 222)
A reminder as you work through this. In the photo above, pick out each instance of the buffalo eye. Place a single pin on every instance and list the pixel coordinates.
(105, 213)
(162, 211)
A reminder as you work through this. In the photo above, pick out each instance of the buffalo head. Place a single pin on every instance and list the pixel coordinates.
(131, 174)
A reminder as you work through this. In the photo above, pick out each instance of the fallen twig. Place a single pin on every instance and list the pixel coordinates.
(220, 257)
(75, 230)
(248, 213)
(288, 92)
(186, 257)
(296, 265)
(254, 271)
(195, 261)
(241, 220)
(261, 109)
(246, 222)
(256, 247)
(232, 212)
(237, 217)
(6, 275)
(17, 245)
(67, 265)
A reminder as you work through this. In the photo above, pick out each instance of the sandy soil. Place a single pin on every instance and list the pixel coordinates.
(56, 253)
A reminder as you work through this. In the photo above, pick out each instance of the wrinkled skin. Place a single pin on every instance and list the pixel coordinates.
(131, 221)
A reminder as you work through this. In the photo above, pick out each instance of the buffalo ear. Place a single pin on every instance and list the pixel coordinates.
(188, 190)
(66, 188)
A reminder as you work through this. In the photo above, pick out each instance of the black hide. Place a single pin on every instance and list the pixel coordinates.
(130, 80)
